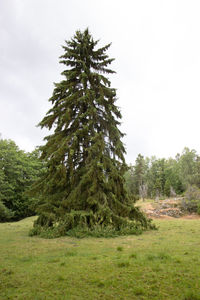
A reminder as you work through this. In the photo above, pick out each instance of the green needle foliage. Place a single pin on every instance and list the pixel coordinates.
(83, 190)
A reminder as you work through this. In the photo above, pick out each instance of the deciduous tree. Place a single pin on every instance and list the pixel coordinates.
(18, 170)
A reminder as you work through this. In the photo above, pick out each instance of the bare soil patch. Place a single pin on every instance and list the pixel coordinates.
(166, 209)
(191, 217)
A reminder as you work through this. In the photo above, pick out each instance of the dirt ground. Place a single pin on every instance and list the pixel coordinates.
(191, 217)
(166, 209)
(186, 217)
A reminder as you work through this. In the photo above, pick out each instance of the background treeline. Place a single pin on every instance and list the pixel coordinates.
(18, 170)
(153, 177)
(147, 178)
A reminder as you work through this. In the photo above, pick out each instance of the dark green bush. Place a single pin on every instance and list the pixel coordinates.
(84, 231)
(198, 209)
(5, 213)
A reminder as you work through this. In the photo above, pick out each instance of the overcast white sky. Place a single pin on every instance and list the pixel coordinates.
(156, 45)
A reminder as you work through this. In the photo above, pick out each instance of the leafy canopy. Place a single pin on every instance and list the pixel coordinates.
(18, 170)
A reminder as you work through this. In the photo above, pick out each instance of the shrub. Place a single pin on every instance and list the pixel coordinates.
(192, 193)
(198, 209)
(81, 232)
(5, 213)
(191, 201)
(119, 248)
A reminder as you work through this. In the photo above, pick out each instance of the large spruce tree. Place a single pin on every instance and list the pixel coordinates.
(83, 189)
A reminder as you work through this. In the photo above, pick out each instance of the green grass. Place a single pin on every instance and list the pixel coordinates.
(163, 264)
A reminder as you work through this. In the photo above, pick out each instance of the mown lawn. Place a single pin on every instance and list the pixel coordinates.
(163, 264)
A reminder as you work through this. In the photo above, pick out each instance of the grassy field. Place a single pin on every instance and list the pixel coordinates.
(163, 264)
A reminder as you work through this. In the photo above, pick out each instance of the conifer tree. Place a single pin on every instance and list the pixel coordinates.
(139, 173)
(84, 184)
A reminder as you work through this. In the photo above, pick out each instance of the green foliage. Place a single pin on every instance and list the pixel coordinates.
(81, 231)
(173, 177)
(119, 248)
(191, 201)
(18, 170)
(135, 179)
(129, 180)
(164, 177)
(192, 193)
(167, 187)
(198, 208)
(187, 166)
(83, 189)
(5, 213)
(139, 173)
